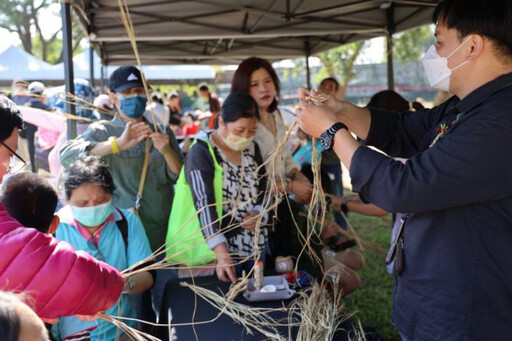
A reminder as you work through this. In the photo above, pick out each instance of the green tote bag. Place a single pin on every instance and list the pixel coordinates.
(185, 241)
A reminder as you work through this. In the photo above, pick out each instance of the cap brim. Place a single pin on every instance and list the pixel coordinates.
(129, 85)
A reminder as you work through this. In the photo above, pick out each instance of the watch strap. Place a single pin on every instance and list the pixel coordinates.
(328, 136)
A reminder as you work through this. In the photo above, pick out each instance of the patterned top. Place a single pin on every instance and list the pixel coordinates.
(241, 192)
(243, 189)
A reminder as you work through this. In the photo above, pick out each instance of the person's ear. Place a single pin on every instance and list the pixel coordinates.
(476, 43)
(54, 224)
(221, 122)
(113, 99)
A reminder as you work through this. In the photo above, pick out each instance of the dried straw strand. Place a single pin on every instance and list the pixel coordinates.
(320, 312)
(250, 318)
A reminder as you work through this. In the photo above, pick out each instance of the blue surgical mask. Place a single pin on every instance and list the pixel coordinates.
(134, 105)
(92, 216)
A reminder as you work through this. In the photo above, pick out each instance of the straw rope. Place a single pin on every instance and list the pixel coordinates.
(251, 318)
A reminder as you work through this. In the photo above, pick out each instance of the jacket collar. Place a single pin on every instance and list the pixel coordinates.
(485, 91)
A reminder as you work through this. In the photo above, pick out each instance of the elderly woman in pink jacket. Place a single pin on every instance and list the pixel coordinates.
(59, 280)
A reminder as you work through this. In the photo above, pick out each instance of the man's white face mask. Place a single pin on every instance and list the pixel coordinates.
(436, 67)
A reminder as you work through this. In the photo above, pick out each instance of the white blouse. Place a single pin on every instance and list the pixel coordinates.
(268, 143)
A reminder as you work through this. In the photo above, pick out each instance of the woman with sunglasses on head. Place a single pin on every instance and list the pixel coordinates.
(89, 222)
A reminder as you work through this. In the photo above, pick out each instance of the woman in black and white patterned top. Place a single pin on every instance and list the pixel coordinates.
(243, 184)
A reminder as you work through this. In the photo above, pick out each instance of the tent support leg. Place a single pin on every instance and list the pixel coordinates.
(91, 65)
(307, 53)
(67, 45)
(389, 46)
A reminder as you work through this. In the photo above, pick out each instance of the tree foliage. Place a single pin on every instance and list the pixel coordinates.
(23, 18)
(407, 46)
(410, 45)
(339, 61)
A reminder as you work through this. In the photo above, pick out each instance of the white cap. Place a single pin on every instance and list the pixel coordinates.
(36, 88)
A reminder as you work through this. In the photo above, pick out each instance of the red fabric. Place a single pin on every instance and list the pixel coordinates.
(191, 129)
(211, 122)
(59, 280)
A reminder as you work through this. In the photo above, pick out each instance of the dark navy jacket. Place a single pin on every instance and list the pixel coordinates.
(457, 281)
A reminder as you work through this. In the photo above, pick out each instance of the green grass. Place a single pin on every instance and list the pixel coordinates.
(373, 301)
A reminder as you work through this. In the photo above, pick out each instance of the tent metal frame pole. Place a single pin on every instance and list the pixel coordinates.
(67, 44)
(307, 53)
(389, 46)
(91, 65)
(102, 79)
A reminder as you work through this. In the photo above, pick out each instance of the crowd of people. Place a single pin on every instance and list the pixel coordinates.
(187, 183)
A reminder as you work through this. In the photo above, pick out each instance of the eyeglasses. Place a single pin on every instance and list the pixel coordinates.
(91, 243)
(14, 165)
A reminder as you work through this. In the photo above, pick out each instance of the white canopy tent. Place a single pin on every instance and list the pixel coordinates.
(15, 63)
(159, 73)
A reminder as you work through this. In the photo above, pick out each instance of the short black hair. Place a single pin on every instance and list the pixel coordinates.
(332, 79)
(392, 100)
(9, 116)
(30, 199)
(175, 119)
(239, 105)
(88, 169)
(489, 18)
(203, 87)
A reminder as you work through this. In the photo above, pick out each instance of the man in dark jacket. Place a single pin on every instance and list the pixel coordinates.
(453, 277)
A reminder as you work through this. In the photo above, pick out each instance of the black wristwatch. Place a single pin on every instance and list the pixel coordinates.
(327, 136)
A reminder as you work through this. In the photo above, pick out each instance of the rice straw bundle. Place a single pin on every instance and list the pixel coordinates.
(251, 318)
(166, 262)
(357, 333)
(81, 103)
(131, 332)
(128, 25)
(275, 174)
(320, 312)
(316, 209)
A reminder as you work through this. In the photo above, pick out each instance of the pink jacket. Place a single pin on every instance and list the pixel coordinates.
(60, 280)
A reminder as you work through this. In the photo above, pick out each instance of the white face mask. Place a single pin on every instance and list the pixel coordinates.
(436, 67)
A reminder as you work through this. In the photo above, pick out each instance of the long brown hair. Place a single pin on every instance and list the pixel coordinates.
(242, 78)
